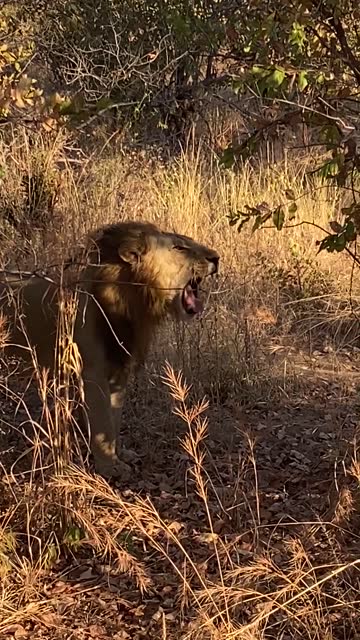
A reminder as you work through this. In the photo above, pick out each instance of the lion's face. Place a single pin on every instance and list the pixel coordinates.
(173, 266)
(181, 264)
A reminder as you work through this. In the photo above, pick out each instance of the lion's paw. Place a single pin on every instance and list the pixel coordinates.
(129, 455)
(114, 469)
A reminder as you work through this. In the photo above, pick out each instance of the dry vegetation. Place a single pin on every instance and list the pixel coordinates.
(241, 520)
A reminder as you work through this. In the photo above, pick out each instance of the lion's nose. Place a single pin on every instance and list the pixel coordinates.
(213, 265)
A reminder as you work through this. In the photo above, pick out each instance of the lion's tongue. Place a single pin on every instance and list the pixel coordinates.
(192, 304)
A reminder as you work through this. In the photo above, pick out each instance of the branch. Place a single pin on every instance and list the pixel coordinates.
(337, 27)
(352, 62)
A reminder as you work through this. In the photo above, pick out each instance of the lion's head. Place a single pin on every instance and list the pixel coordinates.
(138, 260)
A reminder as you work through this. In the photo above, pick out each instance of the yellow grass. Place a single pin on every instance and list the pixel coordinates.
(273, 301)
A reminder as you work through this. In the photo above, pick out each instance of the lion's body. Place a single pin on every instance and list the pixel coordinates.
(133, 277)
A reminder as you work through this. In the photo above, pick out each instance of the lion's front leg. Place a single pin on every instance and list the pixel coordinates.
(103, 430)
(118, 387)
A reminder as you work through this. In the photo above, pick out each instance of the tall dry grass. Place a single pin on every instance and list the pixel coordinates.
(232, 594)
(274, 300)
(269, 280)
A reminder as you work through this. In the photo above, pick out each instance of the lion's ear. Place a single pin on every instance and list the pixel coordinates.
(133, 250)
(131, 257)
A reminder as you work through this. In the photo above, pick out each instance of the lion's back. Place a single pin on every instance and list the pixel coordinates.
(30, 311)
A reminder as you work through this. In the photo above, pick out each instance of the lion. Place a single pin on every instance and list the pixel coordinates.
(134, 276)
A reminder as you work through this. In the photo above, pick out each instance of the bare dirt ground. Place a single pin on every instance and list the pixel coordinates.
(277, 473)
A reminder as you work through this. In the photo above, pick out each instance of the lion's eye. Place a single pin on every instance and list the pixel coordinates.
(179, 248)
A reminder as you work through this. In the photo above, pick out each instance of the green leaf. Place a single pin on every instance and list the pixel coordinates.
(292, 209)
(66, 107)
(302, 80)
(278, 218)
(327, 244)
(227, 159)
(237, 86)
(257, 223)
(333, 242)
(51, 555)
(74, 535)
(330, 134)
(297, 36)
(340, 242)
(350, 232)
(258, 71)
(331, 168)
(126, 540)
(276, 78)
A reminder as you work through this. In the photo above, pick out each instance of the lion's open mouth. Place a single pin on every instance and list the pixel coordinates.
(190, 297)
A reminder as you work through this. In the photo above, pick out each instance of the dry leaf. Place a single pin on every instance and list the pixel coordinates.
(97, 631)
(49, 619)
(17, 630)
